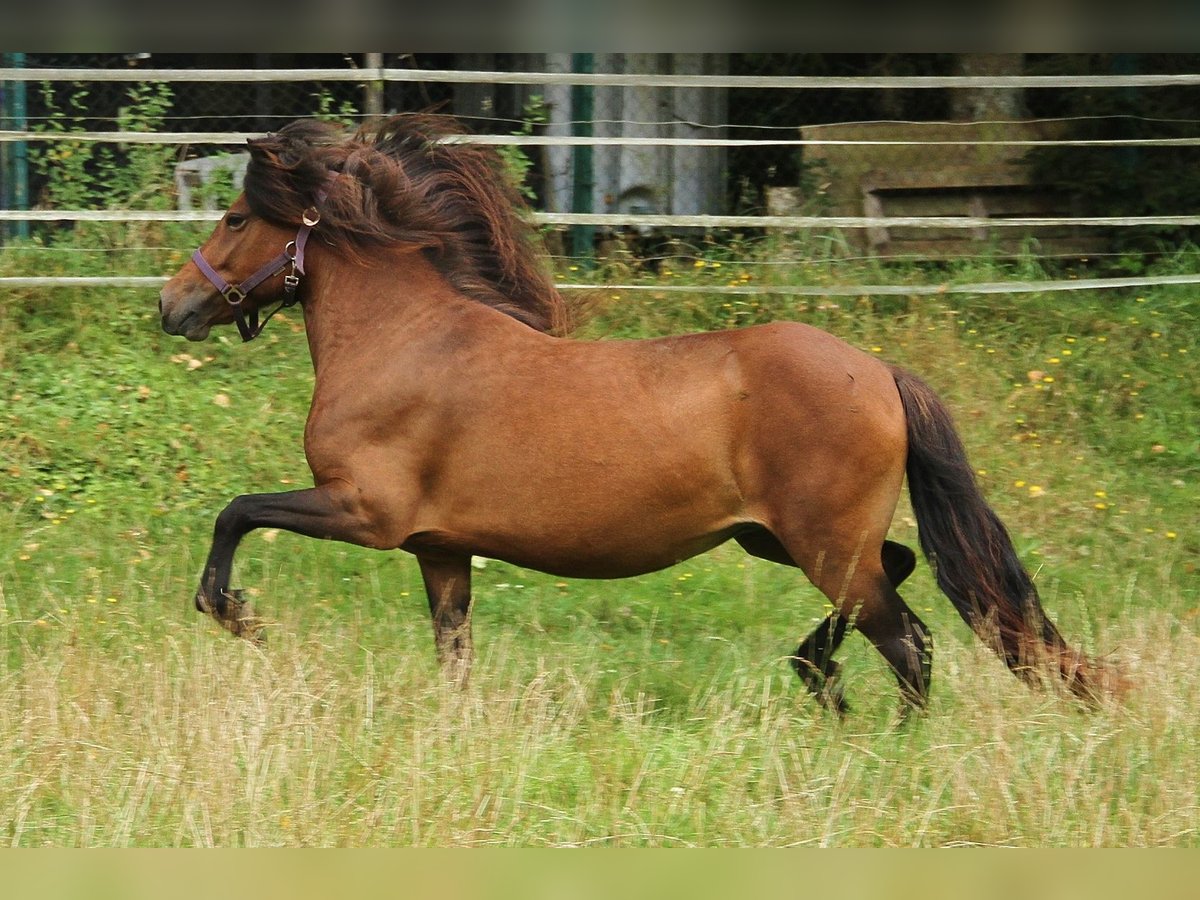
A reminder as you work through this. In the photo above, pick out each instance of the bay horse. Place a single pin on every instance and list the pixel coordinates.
(453, 415)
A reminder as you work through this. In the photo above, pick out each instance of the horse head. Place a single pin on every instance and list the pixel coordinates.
(249, 261)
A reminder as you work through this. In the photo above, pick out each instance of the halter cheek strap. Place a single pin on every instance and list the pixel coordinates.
(293, 255)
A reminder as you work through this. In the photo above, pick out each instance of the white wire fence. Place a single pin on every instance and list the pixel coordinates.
(631, 138)
(364, 75)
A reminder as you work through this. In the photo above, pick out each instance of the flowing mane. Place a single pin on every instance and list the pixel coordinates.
(406, 184)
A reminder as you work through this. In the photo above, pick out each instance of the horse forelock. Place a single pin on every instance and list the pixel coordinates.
(401, 182)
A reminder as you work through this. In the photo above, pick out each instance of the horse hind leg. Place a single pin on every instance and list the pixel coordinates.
(897, 632)
(899, 562)
(863, 594)
(869, 602)
(905, 643)
(813, 660)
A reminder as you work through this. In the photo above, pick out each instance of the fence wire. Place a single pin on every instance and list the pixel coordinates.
(1003, 153)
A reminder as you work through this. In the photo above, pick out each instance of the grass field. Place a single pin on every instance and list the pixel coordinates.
(653, 712)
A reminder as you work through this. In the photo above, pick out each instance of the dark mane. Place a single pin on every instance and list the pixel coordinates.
(407, 184)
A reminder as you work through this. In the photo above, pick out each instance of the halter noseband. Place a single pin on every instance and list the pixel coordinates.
(293, 254)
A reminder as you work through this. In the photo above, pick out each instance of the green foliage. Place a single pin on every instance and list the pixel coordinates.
(94, 175)
(516, 160)
(330, 109)
(79, 174)
(65, 161)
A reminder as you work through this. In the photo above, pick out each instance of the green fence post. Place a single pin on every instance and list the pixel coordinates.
(583, 179)
(16, 162)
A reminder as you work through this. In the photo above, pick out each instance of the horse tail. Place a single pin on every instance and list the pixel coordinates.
(970, 550)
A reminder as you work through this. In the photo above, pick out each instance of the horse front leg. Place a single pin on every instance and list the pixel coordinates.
(329, 512)
(448, 586)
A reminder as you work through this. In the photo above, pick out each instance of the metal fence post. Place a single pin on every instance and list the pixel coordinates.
(373, 90)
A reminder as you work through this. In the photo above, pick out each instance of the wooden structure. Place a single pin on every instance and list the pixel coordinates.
(941, 169)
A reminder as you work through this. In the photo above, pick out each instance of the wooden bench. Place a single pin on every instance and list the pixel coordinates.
(998, 192)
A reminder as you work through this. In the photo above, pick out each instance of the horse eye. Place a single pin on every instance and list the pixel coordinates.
(235, 221)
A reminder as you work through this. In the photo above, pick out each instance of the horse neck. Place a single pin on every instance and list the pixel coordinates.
(389, 304)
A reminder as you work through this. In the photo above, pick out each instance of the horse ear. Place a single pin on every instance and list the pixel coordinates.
(264, 149)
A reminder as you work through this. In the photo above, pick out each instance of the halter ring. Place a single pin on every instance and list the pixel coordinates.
(232, 292)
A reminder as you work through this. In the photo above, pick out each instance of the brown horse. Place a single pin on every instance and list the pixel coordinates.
(452, 417)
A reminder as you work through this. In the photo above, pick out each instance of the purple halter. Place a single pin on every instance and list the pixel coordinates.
(293, 254)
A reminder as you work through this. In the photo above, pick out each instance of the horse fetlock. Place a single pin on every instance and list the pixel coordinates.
(824, 682)
(455, 652)
(456, 665)
(209, 602)
(832, 692)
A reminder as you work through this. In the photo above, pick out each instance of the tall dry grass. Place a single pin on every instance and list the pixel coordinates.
(200, 740)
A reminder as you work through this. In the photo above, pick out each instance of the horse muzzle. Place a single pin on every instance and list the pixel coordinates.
(184, 315)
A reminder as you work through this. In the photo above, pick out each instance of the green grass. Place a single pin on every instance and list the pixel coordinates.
(658, 711)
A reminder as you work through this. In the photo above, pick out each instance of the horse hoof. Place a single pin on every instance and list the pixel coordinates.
(235, 614)
(241, 619)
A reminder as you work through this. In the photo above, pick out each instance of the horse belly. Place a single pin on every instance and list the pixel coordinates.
(593, 514)
(581, 555)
